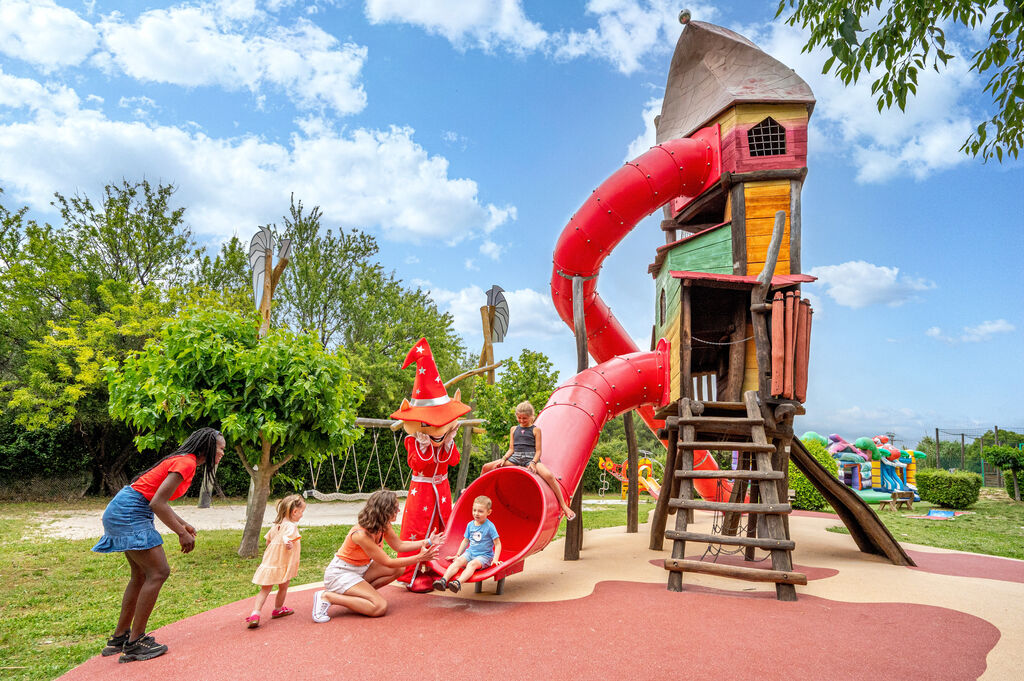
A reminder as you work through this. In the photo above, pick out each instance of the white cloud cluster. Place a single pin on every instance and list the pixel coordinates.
(858, 284)
(626, 30)
(44, 34)
(973, 334)
(531, 313)
(919, 141)
(649, 137)
(230, 45)
(376, 179)
(487, 24)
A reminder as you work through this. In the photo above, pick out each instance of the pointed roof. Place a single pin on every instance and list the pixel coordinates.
(713, 69)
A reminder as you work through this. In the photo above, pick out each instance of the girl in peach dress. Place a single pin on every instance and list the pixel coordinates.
(280, 560)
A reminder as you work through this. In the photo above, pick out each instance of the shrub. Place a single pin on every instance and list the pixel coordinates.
(949, 490)
(1008, 483)
(808, 497)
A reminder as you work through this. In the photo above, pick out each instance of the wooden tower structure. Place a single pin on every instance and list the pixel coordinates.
(728, 298)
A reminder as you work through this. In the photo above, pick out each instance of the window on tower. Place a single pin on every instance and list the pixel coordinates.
(767, 138)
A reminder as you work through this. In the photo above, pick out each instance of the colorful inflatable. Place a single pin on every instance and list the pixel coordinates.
(872, 466)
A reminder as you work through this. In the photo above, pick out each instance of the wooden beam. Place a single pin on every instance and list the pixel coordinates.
(685, 464)
(574, 527)
(685, 343)
(739, 230)
(736, 572)
(795, 186)
(701, 505)
(467, 448)
(661, 507)
(757, 297)
(732, 475)
(756, 542)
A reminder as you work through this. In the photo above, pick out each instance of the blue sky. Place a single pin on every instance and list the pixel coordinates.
(464, 134)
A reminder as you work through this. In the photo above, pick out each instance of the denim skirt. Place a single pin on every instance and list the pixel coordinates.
(128, 524)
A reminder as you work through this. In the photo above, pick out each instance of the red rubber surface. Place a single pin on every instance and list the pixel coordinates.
(722, 634)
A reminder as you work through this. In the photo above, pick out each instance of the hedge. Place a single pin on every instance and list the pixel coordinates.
(949, 490)
(1008, 482)
(808, 497)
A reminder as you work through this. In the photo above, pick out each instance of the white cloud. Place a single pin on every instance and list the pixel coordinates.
(411, 260)
(973, 334)
(236, 48)
(490, 249)
(44, 34)
(648, 138)
(627, 31)
(141, 107)
(919, 141)
(858, 284)
(487, 24)
(471, 266)
(531, 314)
(225, 182)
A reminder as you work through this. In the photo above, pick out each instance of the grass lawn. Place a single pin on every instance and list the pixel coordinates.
(60, 601)
(995, 526)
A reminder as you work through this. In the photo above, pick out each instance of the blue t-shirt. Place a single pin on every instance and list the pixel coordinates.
(481, 538)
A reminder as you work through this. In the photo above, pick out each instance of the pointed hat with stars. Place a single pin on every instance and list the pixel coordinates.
(429, 403)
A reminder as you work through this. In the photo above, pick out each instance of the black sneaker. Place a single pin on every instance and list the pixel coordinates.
(115, 644)
(440, 585)
(455, 586)
(143, 648)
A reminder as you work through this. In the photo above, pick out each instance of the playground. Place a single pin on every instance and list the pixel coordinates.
(951, 617)
(722, 578)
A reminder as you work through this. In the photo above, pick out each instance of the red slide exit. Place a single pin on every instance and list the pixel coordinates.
(526, 512)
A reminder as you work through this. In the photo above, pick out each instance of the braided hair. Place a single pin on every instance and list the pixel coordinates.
(201, 444)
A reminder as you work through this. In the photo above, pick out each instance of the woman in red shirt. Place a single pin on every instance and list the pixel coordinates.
(128, 528)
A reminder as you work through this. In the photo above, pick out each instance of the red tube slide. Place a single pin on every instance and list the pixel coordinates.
(525, 510)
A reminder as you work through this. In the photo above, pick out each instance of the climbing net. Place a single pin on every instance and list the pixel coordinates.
(741, 525)
(369, 462)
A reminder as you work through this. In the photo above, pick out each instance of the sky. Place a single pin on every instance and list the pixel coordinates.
(463, 135)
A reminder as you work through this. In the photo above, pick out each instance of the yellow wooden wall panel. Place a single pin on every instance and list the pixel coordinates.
(750, 362)
(672, 336)
(762, 200)
(749, 114)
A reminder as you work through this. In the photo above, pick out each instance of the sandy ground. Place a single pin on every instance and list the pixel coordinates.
(89, 525)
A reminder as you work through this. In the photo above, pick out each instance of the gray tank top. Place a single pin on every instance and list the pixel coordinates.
(523, 440)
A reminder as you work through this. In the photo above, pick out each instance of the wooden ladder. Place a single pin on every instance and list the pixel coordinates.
(744, 423)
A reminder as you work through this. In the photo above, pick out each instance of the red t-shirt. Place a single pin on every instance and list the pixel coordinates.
(149, 483)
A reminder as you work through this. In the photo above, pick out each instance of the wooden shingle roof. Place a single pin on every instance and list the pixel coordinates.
(713, 69)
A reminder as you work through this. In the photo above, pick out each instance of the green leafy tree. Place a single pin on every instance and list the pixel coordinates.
(1011, 460)
(133, 236)
(334, 289)
(278, 398)
(530, 377)
(910, 35)
(63, 380)
(228, 276)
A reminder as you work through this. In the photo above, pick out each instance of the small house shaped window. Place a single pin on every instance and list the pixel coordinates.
(767, 138)
(662, 308)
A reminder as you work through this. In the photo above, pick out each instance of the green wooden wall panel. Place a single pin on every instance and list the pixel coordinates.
(708, 252)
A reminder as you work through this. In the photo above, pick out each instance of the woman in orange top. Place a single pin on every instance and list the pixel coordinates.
(128, 528)
(361, 566)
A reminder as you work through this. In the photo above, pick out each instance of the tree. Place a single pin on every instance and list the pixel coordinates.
(278, 398)
(335, 290)
(530, 378)
(63, 381)
(133, 236)
(1011, 460)
(228, 276)
(909, 37)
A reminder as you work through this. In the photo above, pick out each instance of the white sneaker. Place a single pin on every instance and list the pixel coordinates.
(320, 606)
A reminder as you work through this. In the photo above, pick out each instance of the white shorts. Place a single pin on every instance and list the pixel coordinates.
(340, 576)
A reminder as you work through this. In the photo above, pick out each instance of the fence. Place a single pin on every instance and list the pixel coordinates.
(963, 450)
(376, 461)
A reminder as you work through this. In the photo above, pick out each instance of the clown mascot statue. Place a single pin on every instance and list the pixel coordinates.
(430, 419)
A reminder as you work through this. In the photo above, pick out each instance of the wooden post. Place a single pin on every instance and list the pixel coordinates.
(938, 454)
(685, 343)
(995, 430)
(963, 455)
(268, 291)
(661, 507)
(633, 476)
(574, 527)
(467, 447)
(757, 297)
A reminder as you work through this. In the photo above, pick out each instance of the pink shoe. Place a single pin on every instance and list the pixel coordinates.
(253, 621)
(281, 612)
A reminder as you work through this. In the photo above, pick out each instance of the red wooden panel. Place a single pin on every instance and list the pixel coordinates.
(803, 350)
(790, 356)
(778, 342)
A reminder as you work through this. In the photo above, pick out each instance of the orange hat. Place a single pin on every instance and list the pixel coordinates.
(430, 403)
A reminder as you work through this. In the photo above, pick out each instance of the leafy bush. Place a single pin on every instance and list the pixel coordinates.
(808, 497)
(949, 490)
(1011, 460)
(1008, 483)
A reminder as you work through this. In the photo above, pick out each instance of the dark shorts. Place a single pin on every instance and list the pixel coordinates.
(521, 458)
(128, 524)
